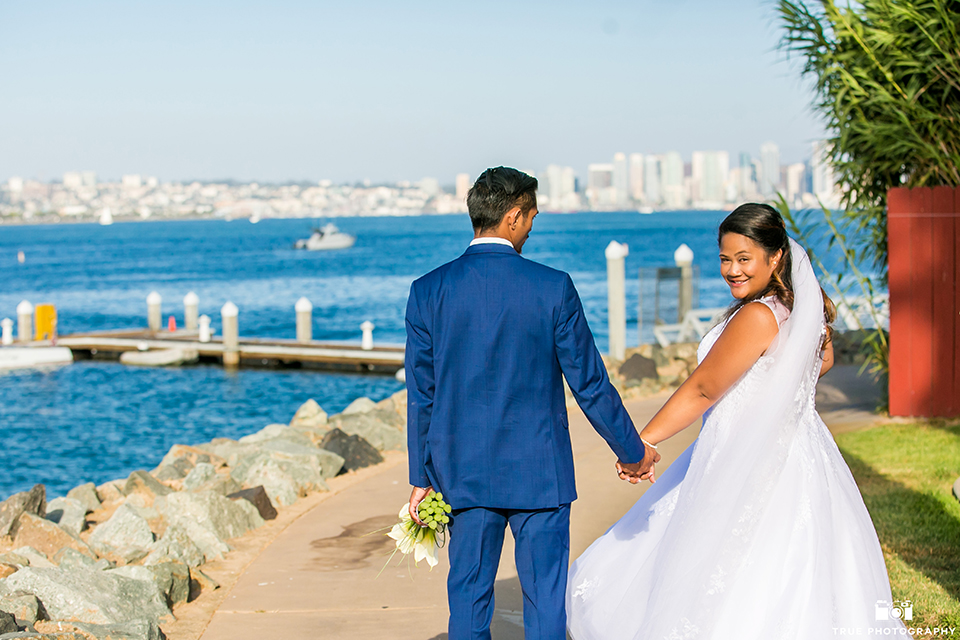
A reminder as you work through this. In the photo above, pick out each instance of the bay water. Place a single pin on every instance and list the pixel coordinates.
(96, 421)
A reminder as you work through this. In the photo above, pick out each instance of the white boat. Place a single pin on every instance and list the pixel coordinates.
(255, 218)
(106, 217)
(326, 238)
(22, 357)
(645, 210)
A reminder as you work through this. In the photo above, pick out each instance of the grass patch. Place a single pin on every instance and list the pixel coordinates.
(906, 474)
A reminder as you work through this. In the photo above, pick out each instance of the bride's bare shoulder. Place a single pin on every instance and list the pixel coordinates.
(753, 321)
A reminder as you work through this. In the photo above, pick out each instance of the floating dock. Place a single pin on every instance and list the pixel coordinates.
(252, 352)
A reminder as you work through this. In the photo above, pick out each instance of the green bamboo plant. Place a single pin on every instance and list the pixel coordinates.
(887, 85)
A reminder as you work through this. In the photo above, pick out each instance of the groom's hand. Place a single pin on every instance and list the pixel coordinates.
(639, 471)
(416, 497)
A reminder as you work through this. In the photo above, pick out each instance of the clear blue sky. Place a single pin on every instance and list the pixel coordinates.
(387, 90)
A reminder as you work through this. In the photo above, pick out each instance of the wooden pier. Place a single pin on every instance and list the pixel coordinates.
(252, 352)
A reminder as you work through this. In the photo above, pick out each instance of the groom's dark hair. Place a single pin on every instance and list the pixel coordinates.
(497, 191)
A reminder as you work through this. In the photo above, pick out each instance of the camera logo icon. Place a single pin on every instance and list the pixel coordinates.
(897, 610)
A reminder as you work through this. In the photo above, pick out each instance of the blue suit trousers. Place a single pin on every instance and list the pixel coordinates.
(542, 555)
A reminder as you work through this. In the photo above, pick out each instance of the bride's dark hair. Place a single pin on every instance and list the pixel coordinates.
(764, 225)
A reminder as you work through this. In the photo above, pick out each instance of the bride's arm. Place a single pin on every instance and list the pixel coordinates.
(745, 338)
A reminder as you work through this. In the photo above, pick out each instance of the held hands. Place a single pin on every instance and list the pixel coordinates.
(636, 472)
(416, 497)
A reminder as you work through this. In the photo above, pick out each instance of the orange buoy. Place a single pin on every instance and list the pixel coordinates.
(172, 324)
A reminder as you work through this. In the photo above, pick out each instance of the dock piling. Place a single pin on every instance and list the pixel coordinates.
(304, 309)
(7, 324)
(204, 328)
(683, 257)
(24, 321)
(231, 335)
(617, 298)
(366, 342)
(191, 305)
(154, 317)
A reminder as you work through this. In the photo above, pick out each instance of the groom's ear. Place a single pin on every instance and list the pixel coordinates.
(512, 217)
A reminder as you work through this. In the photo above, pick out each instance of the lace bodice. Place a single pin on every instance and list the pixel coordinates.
(746, 386)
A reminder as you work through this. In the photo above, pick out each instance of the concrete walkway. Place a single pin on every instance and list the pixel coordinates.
(318, 577)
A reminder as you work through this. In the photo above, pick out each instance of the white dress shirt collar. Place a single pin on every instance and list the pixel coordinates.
(491, 240)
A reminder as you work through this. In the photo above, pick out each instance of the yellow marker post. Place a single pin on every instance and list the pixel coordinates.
(45, 321)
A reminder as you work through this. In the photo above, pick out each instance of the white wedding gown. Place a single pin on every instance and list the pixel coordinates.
(757, 530)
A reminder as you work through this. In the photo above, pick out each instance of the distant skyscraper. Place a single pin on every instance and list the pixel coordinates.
(747, 187)
(621, 180)
(709, 173)
(430, 186)
(132, 181)
(824, 182)
(89, 178)
(636, 176)
(671, 180)
(770, 160)
(561, 188)
(463, 186)
(600, 190)
(651, 180)
(795, 181)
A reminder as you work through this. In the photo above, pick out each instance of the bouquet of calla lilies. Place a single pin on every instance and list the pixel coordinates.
(423, 541)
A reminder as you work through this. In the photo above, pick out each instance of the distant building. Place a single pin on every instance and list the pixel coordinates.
(651, 181)
(823, 181)
(131, 181)
(747, 182)
(72, 180)
(463, 185)
(621, 180)
(671, 181)
(89, 178)
(430, 186)
(15, 184)
(600, 191)
(795, 183)
(709, 174)
(558, 189)
(770, 162)
(636, 176)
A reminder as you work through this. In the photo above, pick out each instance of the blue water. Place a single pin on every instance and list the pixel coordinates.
(95, 421)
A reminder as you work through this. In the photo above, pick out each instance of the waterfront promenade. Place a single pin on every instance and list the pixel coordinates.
(313, 573)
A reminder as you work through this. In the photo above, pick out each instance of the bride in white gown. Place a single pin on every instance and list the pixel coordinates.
(758, 529)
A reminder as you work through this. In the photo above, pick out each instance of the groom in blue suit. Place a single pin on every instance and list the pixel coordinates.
(490, 337)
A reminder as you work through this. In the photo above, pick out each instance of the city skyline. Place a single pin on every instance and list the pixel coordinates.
(306, 91)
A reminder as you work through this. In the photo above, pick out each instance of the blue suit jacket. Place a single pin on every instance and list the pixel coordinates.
(488, 336)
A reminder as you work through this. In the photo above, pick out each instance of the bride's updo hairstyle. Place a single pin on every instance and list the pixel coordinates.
(764, 225)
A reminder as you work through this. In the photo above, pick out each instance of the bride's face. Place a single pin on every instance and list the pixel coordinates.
(745, 265)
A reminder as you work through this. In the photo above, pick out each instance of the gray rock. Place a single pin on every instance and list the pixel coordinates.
(281, 449)
(7, 623)
(276, 478)
(15, 559)
(110, 491)
(23, 606)
(34, 558)
(201, 582)
(171, 578)
(257, 496)
(97, 597)
(175, 471)
(126, 535)
(638, 367)
(46, 537)
(355, 451)
(268, 432)
(360, 405)
(309, 416)
(143, 483)
(198, 476)
(33, 501)
(86, 494)
(70, 514)
(132, 630)
(214, 514)
(69, 559)
(176, 546)
(229, 450)
(369, 427)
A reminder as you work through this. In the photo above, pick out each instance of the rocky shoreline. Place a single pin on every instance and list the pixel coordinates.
(119, 560)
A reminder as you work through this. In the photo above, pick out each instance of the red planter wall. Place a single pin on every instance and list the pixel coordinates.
(923, 227)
